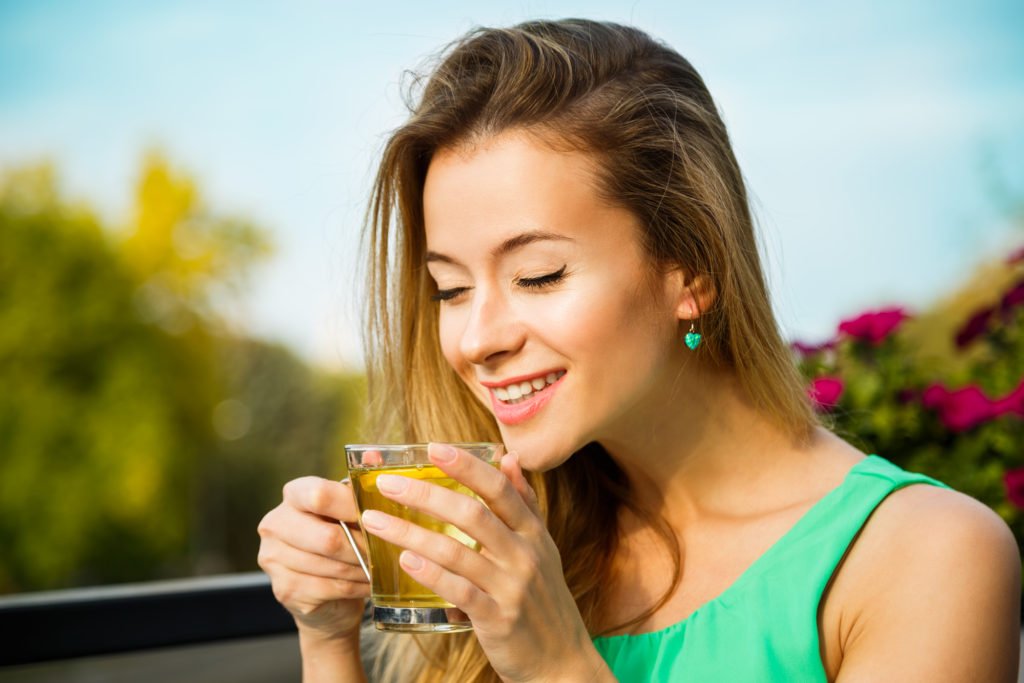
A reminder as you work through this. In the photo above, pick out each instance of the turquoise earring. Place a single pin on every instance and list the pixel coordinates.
(692, 338)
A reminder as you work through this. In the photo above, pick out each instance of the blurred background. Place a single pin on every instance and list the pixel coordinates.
(181, 194)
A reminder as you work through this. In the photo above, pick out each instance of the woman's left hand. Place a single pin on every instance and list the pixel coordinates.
(513, 589)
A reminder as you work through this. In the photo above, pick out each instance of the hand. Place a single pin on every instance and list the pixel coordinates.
(513, 590)
(313, 569)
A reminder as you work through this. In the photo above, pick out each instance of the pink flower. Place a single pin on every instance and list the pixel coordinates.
(825, 392)
(934, 396)
(966, 408)
(874, 326)
(1012, 403)
(1015, 257)
(1014, 482)
(1012, 298)
(811, 349)
(974, 327)
(959, 410)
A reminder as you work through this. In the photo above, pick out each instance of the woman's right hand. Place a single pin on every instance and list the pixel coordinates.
(313, 570)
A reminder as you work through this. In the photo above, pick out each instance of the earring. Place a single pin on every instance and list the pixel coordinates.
(692, 338)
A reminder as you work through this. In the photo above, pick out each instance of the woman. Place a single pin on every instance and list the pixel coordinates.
(562, 258)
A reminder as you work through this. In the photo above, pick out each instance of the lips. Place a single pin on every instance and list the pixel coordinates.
(516, 400)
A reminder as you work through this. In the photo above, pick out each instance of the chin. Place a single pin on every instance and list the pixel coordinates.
(537, 451)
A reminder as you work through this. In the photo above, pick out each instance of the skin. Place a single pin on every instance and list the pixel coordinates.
(928, 591)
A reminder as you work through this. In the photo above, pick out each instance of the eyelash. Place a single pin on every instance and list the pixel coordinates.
(528, 282)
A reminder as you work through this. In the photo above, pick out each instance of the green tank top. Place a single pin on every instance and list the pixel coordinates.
(764, 627)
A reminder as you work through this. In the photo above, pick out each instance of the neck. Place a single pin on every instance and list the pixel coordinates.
(696, 454)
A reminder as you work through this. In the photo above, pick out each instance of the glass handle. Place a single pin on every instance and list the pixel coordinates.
(352, 541)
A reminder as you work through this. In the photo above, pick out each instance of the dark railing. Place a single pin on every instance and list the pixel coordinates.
(215, 629)
(48, 626)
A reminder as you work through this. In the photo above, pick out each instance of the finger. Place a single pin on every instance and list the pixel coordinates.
(468, 513)
(487, 482)
(444, 550)
(456, 589)
(310, 533)
(323, 497)
(305, 594)
(510, 468)
(276, 553)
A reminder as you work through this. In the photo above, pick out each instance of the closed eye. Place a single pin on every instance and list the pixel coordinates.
(529, 282)
(448, 294)
(542, 280)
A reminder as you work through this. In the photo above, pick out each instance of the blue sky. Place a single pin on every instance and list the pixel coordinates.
(875, 139)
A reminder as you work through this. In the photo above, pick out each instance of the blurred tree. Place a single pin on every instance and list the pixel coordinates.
(99, 418)
(141, 436)
(278, 420)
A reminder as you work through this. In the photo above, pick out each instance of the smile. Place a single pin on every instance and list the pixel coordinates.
(515, 392)
(517, 400)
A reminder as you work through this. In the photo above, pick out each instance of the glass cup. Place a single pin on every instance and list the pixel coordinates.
(399, 602)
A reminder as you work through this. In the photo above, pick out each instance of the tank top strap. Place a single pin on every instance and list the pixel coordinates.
(764, 627)
(804, 560)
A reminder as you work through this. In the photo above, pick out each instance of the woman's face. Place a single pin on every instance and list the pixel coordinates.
(549, 309)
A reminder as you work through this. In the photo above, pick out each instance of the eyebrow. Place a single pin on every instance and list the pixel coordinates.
(508, 246)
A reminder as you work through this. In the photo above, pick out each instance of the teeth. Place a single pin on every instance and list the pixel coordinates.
(513, 393)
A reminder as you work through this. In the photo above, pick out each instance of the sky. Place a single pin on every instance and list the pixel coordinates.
(882, 142)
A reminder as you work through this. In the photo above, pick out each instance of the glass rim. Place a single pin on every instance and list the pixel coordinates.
(403, 446)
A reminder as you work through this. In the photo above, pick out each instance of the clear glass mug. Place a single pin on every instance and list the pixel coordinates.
(399, 602)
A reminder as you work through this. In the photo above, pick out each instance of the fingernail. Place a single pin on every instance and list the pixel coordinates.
(373, 519)
(411, 560)
(391, 483)
(443, 453)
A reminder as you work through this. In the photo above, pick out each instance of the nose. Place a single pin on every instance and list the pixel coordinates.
(493, 330)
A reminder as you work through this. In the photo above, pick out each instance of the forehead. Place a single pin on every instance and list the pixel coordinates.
(510, 183)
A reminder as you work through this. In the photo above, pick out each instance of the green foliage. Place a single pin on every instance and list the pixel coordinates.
(123, 393)
(278, 420)
(884, 406)
(93, 447)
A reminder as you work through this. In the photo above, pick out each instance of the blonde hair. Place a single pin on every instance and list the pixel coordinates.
(663, 153)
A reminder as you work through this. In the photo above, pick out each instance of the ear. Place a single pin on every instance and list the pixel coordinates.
(691, 295)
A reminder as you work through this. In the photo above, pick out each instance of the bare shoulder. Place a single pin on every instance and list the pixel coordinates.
(931, 592)
(941, 522)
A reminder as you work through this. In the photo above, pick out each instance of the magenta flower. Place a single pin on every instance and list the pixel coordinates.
(974, 327)
(1012, 403)
(825, 392)
(966, 408)
(874, 326)
(959, 410)
(1012, 298)
(811, 349)
(934, 396)
(1014, 482)
(1015, 257)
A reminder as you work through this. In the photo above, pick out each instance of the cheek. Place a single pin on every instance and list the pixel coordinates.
(598, 320)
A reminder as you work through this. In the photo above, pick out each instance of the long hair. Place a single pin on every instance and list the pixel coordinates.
(646, 117)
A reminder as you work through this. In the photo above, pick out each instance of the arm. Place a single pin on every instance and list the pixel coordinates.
(330, 660)
(944, 604)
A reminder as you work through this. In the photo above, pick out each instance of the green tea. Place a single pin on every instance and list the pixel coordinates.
(390, 586)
